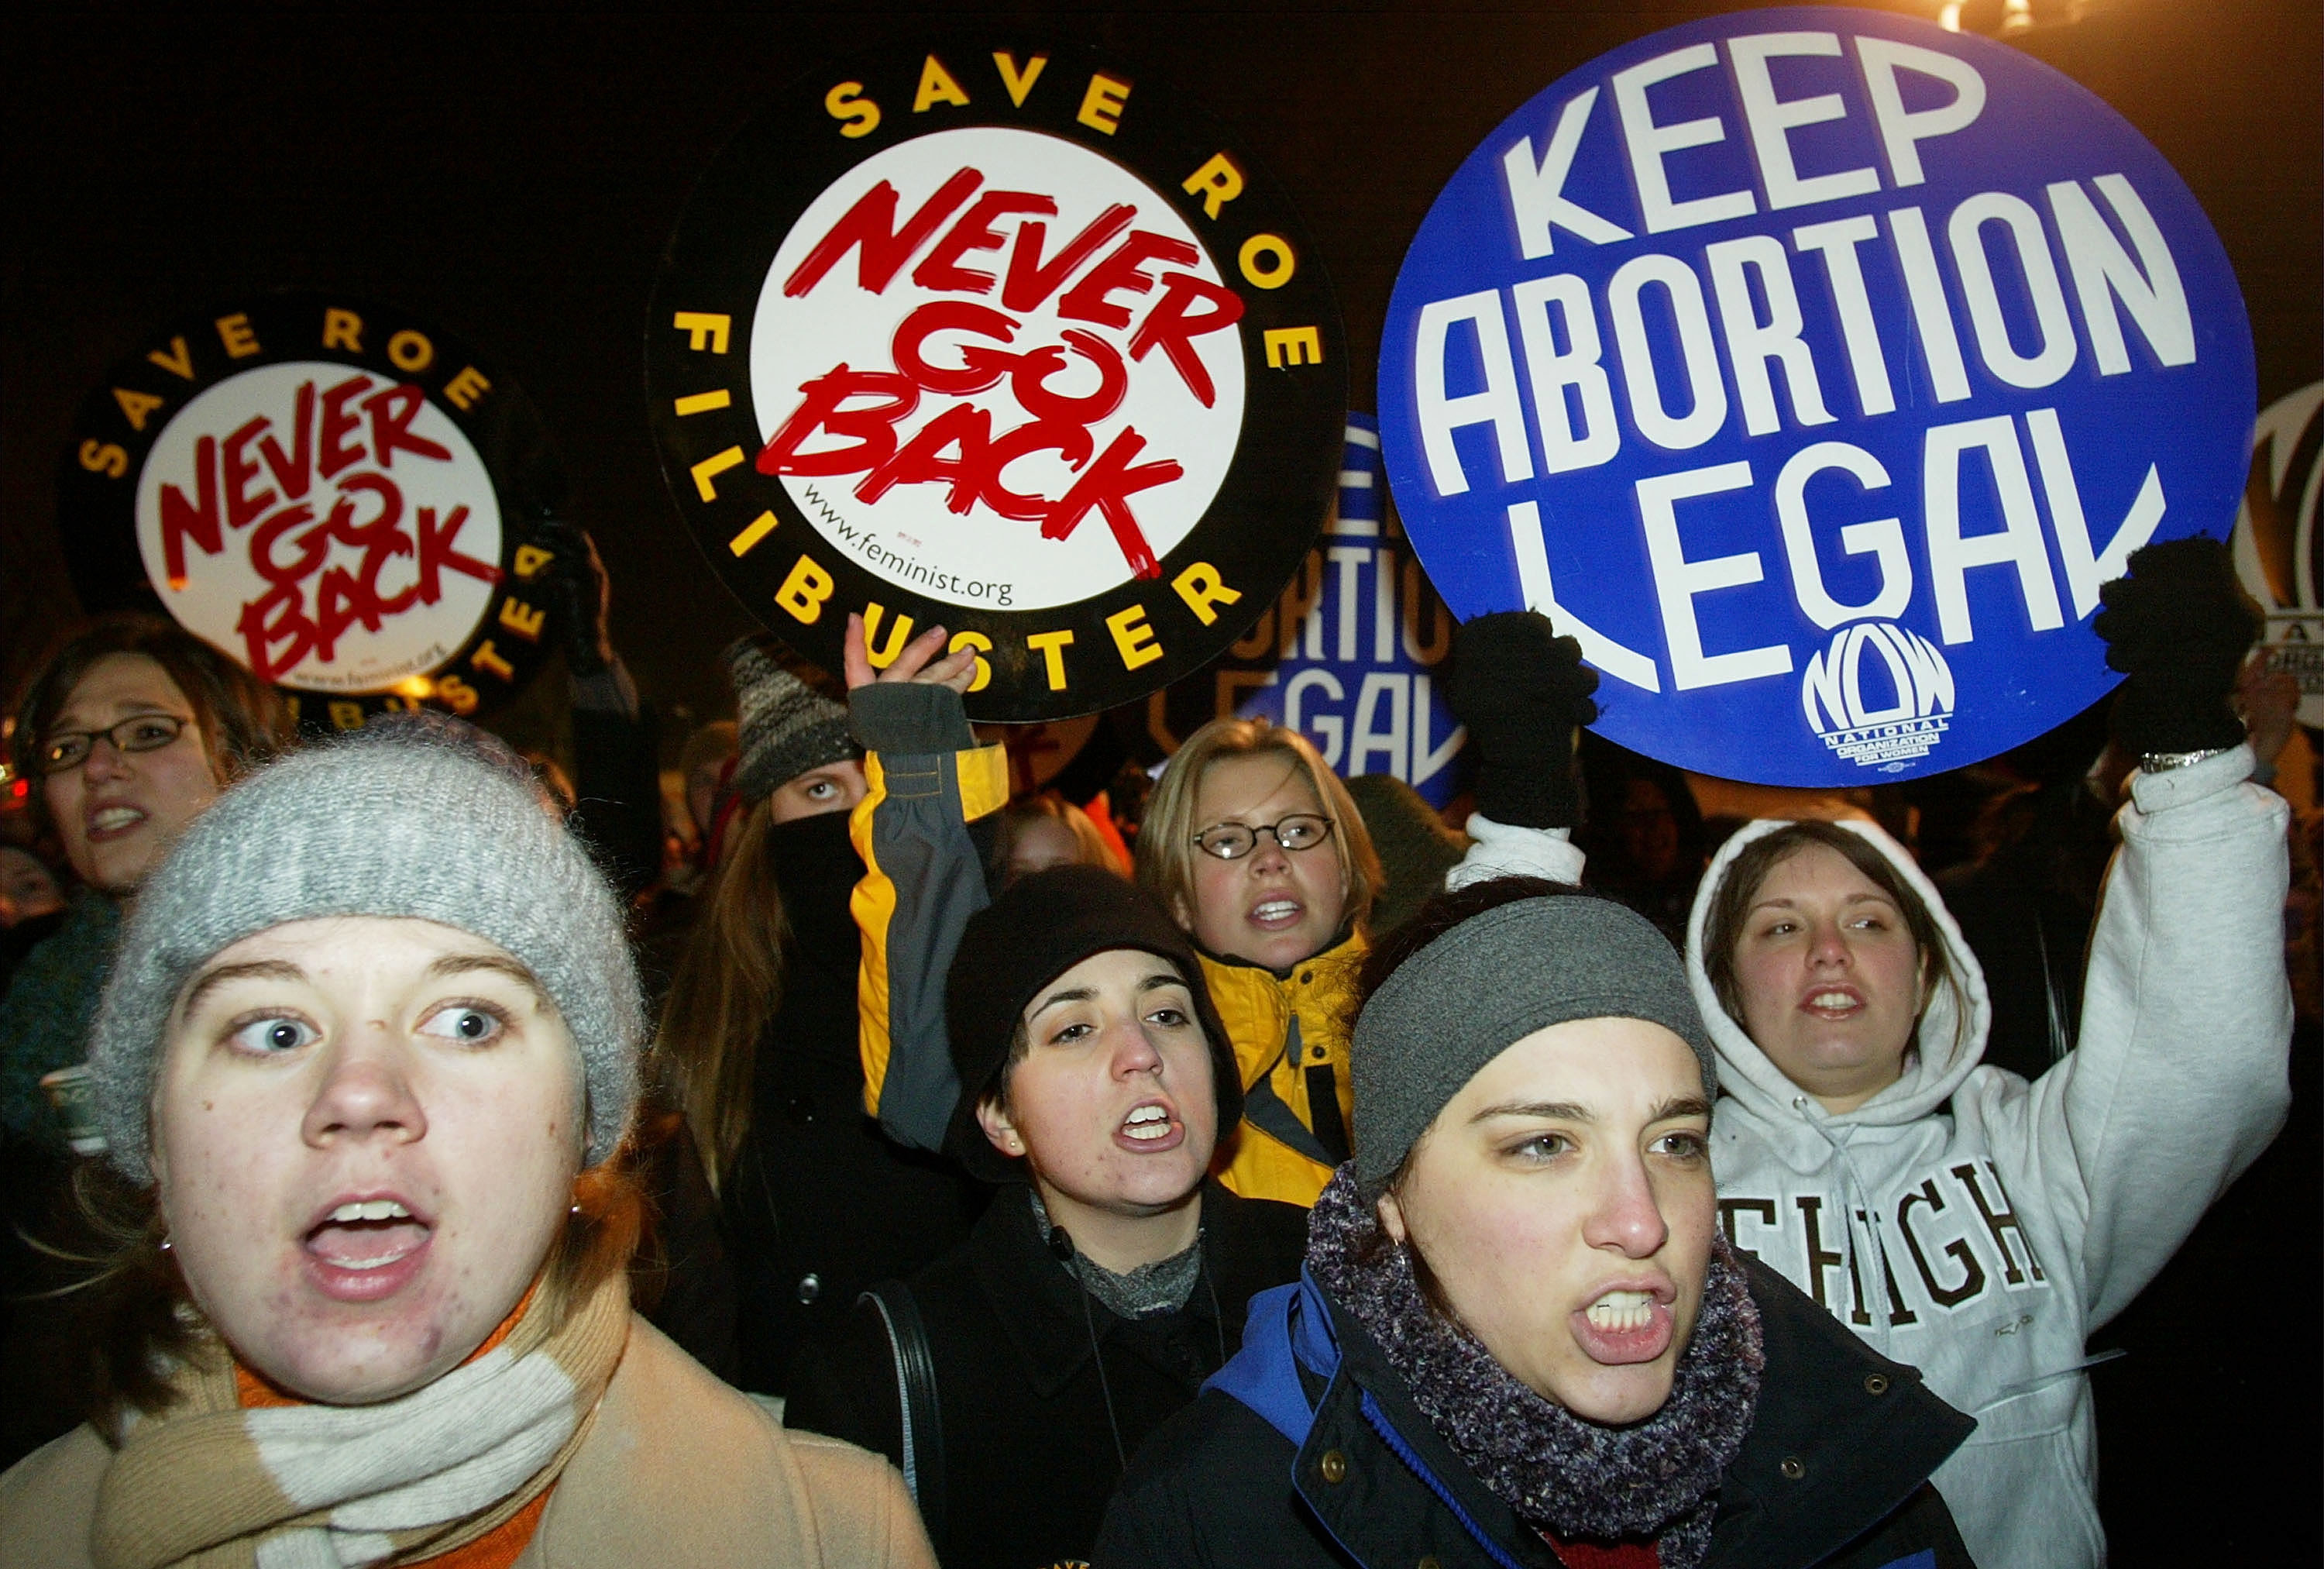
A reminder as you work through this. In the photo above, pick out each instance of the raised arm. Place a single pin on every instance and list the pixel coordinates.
(923, 876)
(2179, 1078)
(1521, 690)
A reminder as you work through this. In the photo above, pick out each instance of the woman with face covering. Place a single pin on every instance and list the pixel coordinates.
(759, 1030)
(1957, 1217)
(1249, 840)
(366, 1065)
(1520, 1338)
(126, 735)
(1108, 1277)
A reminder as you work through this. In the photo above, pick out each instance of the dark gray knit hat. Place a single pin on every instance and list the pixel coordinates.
(785, 727)
(404, 818)
(1467, 996)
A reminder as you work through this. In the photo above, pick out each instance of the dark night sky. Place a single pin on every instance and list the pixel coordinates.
(514, 178)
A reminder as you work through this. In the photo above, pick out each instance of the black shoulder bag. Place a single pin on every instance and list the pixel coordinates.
(915, 1399)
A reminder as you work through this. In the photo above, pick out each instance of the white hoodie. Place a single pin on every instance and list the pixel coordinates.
(1980, 1227)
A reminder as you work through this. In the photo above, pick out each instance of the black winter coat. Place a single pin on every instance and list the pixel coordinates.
(1833, 1473)
(1041, 1388)
(820, 1204)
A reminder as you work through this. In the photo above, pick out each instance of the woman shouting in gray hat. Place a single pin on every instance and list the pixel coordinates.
(1520, 1339)
(366, 1065)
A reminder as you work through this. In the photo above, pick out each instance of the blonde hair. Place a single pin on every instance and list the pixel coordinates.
(1165, 836)
(728, 984)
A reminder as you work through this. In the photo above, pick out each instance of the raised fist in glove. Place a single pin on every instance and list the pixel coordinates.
(1521, 689)
(583, 596)
(2177, 626)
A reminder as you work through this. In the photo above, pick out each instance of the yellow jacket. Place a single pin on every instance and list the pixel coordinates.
(924, 877)
(1290, 1036)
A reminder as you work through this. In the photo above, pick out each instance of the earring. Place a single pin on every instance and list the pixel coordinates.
(574, 1211)
(165, 1244)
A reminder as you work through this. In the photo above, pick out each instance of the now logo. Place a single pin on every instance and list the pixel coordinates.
(1880, 695)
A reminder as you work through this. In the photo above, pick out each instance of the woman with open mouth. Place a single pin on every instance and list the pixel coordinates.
(1013, 1378)
(1954, 1215)
(1520, 1339)
(125, 736)
(367, 1066)
(1249, 842)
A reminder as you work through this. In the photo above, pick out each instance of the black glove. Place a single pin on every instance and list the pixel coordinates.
(2178, 627)
(1520, 689)
(581, 594)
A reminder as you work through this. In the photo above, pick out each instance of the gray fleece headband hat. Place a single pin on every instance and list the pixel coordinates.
(1489, 983)
(405, 819)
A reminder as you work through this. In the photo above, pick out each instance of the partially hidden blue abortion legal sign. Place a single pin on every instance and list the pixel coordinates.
(1348, 653)
(1814, 367)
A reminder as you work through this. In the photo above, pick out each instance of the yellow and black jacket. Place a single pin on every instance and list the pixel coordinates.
(924, 877)
(1290, 1037)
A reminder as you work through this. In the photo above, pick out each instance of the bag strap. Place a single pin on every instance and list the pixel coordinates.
(915, 1399)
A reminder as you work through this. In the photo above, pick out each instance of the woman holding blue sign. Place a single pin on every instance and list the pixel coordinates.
(1957, 1217)
(1853, 345)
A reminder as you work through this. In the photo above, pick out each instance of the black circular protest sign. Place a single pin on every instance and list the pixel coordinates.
(1014, 342)
(343, 498)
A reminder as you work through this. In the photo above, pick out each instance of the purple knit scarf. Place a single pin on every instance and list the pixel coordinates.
(1655, 1479)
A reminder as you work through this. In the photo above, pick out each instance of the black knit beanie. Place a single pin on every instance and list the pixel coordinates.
(1035, 932)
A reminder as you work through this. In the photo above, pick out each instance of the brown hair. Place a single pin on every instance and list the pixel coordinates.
(1738, 889)
(242, 721)
(1090, 846)
(728, 984)
(1165, 836)
(996, 1091)
(144, 1319)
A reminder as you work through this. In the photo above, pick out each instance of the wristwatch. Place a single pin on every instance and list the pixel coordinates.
(2164, 761)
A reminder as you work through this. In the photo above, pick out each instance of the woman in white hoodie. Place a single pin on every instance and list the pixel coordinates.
(1958, 1217)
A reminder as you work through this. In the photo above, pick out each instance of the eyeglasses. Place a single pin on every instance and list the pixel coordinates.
(68, 750)
(1233, 841)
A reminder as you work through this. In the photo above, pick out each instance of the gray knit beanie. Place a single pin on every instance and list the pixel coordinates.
(1476, 990)
(401, 818)
(786, 726)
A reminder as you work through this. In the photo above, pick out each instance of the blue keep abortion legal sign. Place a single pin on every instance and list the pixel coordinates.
(1814, 367)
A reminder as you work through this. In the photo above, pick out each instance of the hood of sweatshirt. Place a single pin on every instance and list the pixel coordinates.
(1949, 1042)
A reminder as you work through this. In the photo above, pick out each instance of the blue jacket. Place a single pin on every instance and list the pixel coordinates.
(1307, 1449)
